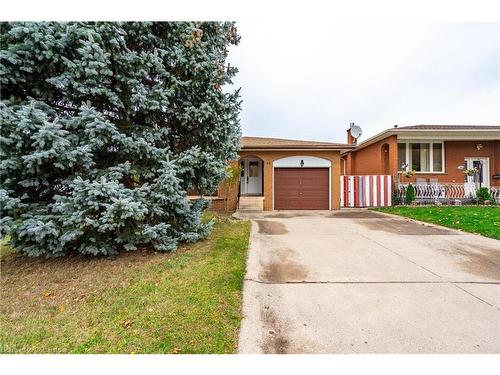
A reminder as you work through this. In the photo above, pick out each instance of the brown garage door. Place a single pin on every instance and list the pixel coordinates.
(301, 189)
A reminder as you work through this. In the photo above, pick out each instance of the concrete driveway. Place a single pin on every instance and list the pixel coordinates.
(363, 282)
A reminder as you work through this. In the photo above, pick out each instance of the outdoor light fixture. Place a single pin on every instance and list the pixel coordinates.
(479, 146)
(302, 163)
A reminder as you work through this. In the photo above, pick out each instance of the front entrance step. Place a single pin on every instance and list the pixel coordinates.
(251, 203)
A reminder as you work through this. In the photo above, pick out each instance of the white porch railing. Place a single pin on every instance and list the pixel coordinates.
(495, 193)
(441, 191)
(466, 190)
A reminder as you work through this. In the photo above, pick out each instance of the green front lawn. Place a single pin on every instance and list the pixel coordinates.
(484, 220)
(141, 302)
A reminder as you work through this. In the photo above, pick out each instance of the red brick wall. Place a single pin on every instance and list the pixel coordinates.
(227, 194)
(368, 160)
(495, 165)
(218, 204)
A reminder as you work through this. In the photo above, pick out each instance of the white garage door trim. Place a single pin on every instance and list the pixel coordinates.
(306, 162)
(302, 161)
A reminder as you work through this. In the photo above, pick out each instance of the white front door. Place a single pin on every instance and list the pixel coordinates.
(251, 177)
(483, 165)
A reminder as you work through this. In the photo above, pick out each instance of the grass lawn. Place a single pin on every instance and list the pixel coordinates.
(484, 220)
(141, 302)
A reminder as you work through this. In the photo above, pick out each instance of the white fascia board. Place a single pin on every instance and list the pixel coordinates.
(470, 135)
(299, 161)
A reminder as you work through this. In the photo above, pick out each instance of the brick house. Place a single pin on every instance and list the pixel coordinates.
(278, 174)
(438, 154)
(284, 174)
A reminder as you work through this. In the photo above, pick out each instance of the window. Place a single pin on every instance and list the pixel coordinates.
(401, 156)
(253, 169)
(421, 157)
(437, 156)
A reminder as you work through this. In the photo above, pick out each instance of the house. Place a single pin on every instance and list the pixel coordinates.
(438, 154)
(284, 174)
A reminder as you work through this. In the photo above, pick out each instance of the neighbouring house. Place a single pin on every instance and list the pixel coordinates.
(438, 154)
(284, 174)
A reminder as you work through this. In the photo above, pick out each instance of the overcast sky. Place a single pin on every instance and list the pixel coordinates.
(309, 80)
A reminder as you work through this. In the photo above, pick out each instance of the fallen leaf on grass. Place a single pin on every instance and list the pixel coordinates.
(176, 350)
(127, 323)
(48, 294)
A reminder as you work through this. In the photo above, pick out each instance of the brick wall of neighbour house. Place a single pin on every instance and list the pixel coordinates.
(349, 167)
(455, 153)
(368, 160)
(496, 168)
(269, 156)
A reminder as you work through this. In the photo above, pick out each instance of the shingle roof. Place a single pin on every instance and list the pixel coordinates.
(450, 127)
(279, 143)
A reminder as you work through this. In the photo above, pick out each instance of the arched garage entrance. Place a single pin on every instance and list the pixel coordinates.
(302, 183)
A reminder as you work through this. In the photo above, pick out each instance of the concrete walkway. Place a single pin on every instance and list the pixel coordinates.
(363, 282)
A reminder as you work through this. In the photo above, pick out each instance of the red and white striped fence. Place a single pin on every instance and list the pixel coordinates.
(366, 191)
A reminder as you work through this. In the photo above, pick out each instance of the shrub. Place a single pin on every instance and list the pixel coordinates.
(396, 196)
(410, 194)
(483, 194)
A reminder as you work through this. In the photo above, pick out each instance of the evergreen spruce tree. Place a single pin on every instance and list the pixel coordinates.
(105, 126)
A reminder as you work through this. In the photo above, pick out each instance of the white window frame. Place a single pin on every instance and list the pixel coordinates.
(431, 156)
